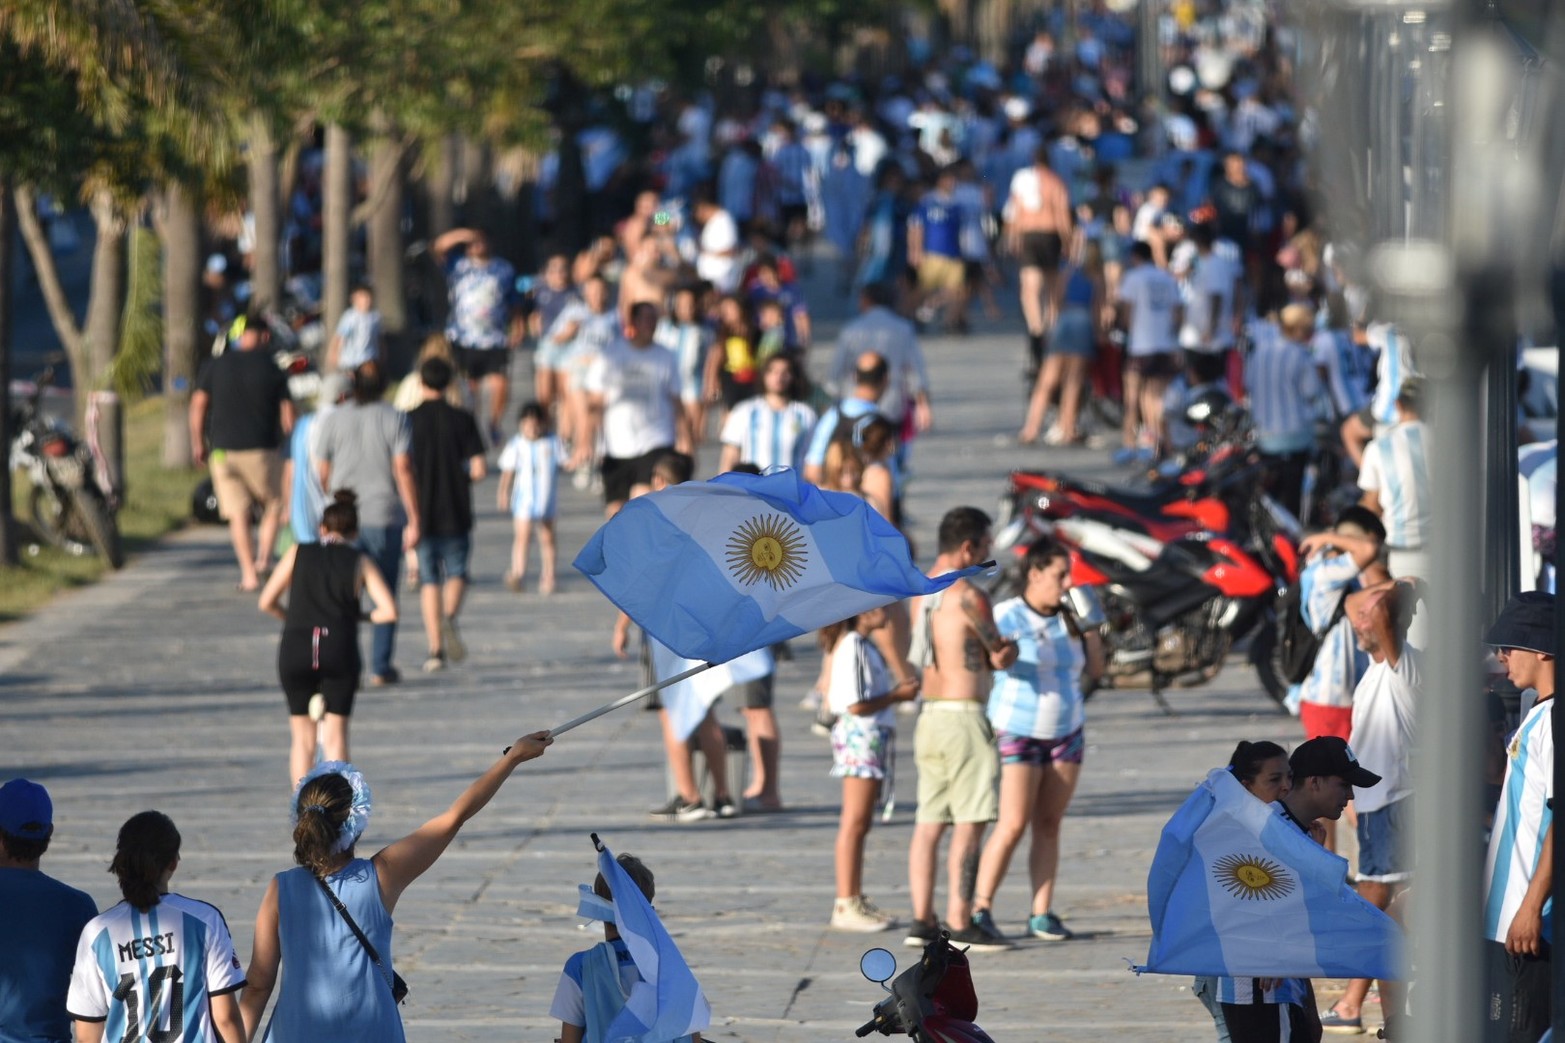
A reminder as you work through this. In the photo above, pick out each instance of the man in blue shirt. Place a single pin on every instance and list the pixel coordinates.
(43, 919)
(486, 321)
(934, 250)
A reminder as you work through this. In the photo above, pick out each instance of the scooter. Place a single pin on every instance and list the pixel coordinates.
(933, 1001)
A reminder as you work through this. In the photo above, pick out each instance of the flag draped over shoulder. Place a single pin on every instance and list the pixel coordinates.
(1237, 890)
(667, 1003)
(719, 568)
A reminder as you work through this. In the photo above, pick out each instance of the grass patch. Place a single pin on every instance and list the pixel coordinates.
(157, 502)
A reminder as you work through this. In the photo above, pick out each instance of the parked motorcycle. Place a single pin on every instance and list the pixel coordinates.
(71, 500)
(933, 1001)
(1183, 568)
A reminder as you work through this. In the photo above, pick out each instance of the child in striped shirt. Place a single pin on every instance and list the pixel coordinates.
(529, 465)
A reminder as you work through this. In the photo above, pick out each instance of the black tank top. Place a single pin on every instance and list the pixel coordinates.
(324, 588)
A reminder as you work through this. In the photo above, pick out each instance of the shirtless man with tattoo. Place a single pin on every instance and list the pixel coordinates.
(958, 646)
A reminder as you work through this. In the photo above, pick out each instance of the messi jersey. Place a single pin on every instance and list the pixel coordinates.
(149, 975)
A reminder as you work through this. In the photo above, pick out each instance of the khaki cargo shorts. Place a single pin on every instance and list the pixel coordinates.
(958, 763)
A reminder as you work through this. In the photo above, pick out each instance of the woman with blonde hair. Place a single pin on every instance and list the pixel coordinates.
(410, 393)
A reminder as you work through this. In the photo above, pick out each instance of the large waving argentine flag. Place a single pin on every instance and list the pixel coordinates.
(719, 568)
(1237, 890)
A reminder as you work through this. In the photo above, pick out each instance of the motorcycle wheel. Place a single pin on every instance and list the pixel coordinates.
(1266, 657)
(51, 517)
(101, 528)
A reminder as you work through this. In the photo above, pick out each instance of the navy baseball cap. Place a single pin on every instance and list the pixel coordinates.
(1330, 755)
(25, 810)
(1526, 622)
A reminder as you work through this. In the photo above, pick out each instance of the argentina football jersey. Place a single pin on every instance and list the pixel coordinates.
(150, 975)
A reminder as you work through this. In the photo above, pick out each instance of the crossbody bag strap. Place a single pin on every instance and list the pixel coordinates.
(347, 917)
(1342, 607)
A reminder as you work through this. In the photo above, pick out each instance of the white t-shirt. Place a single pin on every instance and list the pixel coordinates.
(716, 264)
(640, 389)
(1153, 296)
(858, 674)
(1212, 275)
(1383, 727)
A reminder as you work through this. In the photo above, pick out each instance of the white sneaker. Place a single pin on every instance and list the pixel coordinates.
(860, 915)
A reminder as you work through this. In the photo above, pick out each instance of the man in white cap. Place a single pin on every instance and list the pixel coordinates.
(43, 919)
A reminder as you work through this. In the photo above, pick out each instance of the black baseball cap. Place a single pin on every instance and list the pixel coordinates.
(1526, 622)
(1330, 755)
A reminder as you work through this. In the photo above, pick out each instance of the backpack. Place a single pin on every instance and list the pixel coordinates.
(1297, 644)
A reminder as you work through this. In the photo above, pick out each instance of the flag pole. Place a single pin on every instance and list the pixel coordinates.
(626, 700)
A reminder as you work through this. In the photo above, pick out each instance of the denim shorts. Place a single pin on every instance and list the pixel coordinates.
(1381, 836)
(443, 557)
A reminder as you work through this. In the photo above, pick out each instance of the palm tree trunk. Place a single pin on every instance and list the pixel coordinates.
(441, 185)
(7, 256)
(336, 220)
(266, 204)
(181, 317)
(105, 300)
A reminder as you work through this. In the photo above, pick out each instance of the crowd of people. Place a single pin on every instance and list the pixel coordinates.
(1164, 243)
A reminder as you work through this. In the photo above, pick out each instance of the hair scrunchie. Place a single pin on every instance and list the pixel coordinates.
(358, 813)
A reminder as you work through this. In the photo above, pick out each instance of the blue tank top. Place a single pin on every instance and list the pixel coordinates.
(1078, 291)
(330, 988)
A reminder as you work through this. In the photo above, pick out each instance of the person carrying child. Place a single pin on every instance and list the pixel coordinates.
(529, 467)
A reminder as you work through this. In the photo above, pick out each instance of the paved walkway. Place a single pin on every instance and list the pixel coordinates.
(157, 688)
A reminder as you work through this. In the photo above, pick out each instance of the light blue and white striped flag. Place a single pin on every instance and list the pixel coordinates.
(688, 701)
(1237, 890)
(719, 568)
(667, 1003)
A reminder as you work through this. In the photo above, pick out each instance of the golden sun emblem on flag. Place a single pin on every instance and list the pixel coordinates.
(1251, 876)
(767, 548)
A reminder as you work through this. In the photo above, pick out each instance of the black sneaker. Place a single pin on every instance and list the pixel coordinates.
(726, 809)
(981, 935)
(921, 933)
(695, 811)
(668, 810)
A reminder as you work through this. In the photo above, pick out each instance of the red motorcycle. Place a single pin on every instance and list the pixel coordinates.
(932, 1001)
(1183, 567)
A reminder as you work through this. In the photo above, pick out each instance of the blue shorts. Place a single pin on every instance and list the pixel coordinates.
(1382, 833)
(443, 557)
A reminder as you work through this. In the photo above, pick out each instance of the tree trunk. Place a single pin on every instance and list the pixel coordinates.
(54, 298)
(266, 278)
(181, 317)
(7, 267)
(336, 220)
(386, 262)
(106, 298)
(440, 182)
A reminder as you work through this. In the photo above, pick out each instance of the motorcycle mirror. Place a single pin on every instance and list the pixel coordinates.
(878, 965)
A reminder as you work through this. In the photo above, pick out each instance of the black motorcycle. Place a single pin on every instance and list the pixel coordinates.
(70, 501)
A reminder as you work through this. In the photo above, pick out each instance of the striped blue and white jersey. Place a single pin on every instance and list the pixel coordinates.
(1349, 368)
(534, 464)
(1393, 366)
(1284, 389)
(769, 437)
(1339, 663)
(150, 975)
(1039, 695)
(1521, 823)
(1396, 468)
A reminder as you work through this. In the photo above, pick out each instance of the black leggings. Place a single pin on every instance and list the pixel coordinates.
(319, 659)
